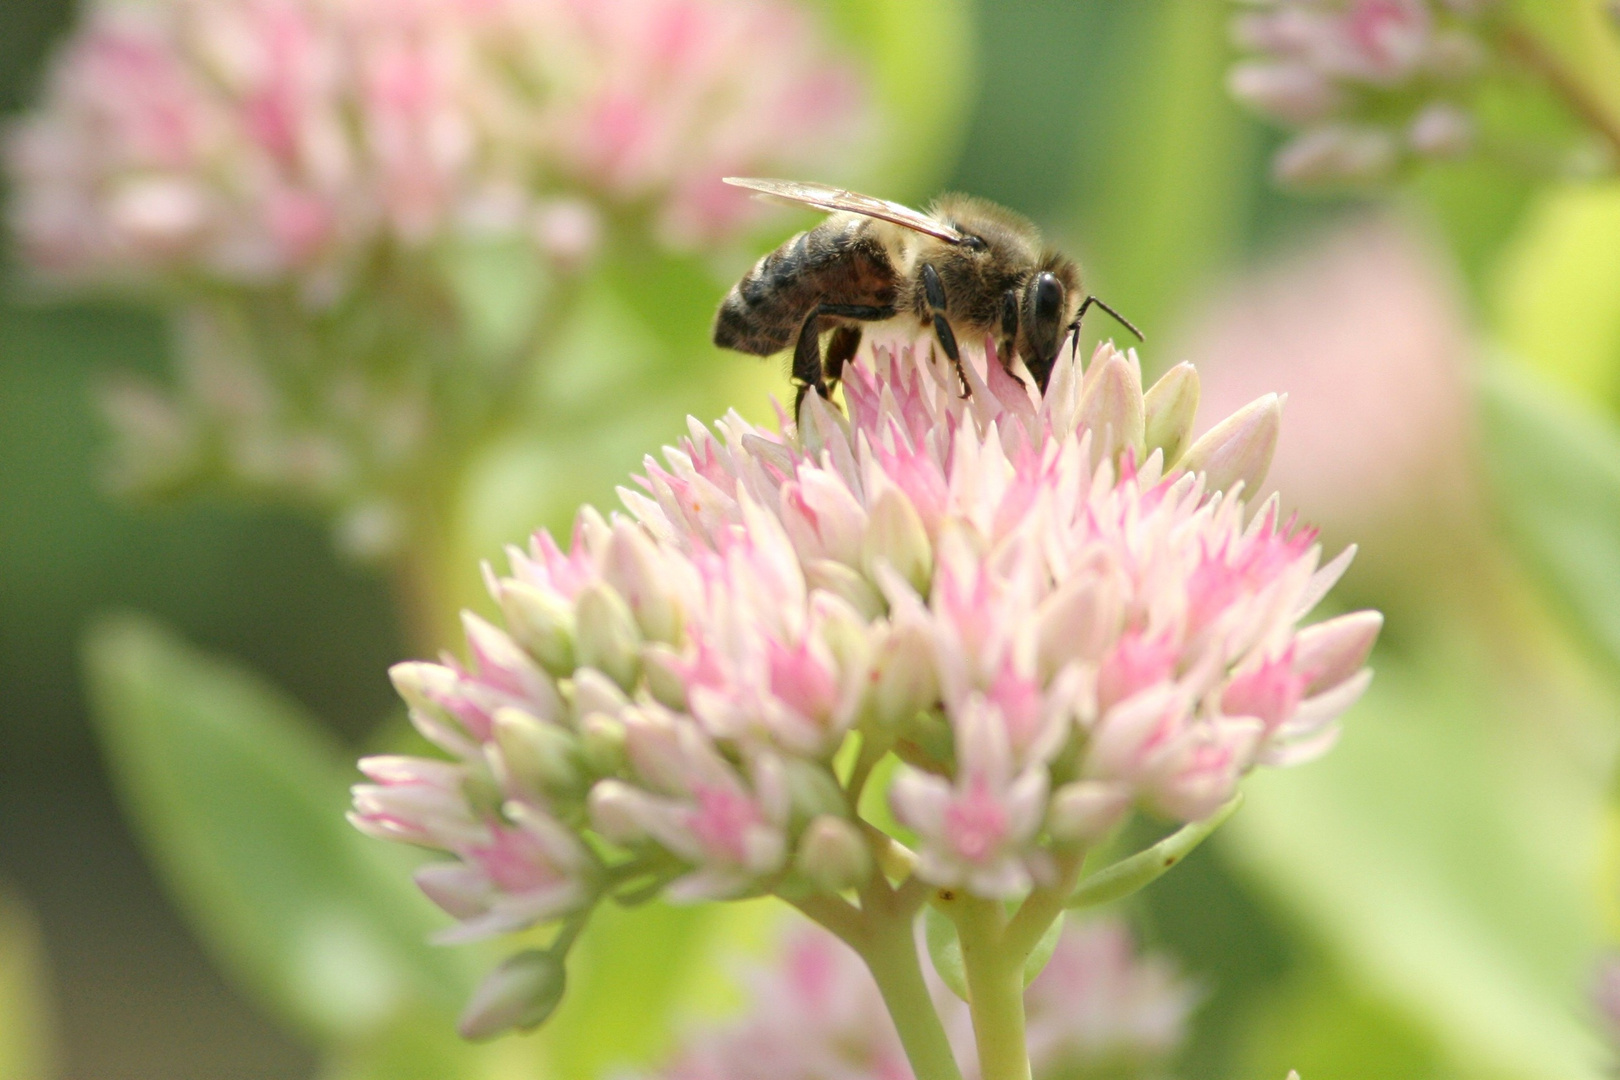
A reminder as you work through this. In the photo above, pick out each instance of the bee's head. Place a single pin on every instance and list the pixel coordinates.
(1046, 307)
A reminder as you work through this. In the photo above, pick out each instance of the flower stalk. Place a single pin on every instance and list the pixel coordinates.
(1546, 65)
(888, 947)
(995, 979)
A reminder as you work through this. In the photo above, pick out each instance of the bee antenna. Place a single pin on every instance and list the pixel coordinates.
(1122, 320)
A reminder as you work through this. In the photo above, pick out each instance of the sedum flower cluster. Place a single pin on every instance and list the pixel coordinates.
(254, 141)
(944, 641)
(369, 211)
(1097, 1009)
(1368, 85)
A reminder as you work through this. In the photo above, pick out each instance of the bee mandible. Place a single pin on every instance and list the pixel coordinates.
(965, 268)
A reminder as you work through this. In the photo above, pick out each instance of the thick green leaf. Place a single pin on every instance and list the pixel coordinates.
(26, 1032)
(1443, 854)
(1555, 464)
(239, 798)
(945, 950)
(1145, 867)
(1557, 290)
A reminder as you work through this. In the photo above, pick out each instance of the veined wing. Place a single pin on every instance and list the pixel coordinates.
(833, 200)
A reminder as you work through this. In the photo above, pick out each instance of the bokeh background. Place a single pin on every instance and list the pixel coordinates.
(1429, 901)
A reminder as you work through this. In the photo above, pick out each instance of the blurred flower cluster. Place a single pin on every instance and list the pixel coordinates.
(372, 209)
(1098, 1009)
(1368, 84)
(1052, 612)
(252, 141)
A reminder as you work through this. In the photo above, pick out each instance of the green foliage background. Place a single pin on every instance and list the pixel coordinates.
(1425, 902)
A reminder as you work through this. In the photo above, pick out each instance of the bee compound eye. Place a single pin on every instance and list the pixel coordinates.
(1048, 298)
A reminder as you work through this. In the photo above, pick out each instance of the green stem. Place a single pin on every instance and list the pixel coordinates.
(881, 933)
(995, 978)
(890, 951)
(1562, 80)
(1042, 906)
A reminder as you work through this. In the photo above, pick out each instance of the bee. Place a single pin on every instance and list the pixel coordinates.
(965, 268)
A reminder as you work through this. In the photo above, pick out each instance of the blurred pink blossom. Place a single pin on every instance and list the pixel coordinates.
(1367, 333)
(256, 140)
(1366, 83)
(815, 1014)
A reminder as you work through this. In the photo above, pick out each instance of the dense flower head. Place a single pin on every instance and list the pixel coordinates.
(815, 1014)
(1368, 84)
(1052, 611)
(254, 141)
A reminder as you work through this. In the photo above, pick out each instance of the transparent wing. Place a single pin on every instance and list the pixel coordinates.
(832, 200)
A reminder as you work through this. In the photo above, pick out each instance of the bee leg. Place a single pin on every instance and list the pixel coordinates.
(807, 360)
(1006, 350)
(934, 293)
(847, 339)
(947, 341)
(1041, 372)
(840, 350)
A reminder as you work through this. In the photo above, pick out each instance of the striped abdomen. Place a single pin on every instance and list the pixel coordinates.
(840, 261)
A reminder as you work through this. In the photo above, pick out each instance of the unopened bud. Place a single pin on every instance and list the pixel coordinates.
(1441, 130)
(662, 667)
(1238, 448)
(1170, 407)
(521, 993)
(613, 807)
(833, 854)
(603, 743)
(896, 536)
(609, 640)
(846, 583)
(1338, 154)
(423, 685)
(542, 622)
(1331, 651)
(1087, 810)
(812, 789)
(594, 693)
(1292, 91)
(535, 753)
(1111, 406)
(632, 568)
(903, 677)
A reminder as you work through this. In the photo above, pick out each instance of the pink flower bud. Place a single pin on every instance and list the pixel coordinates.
(833, 854)
(1338, 154)
(521, 994)
(542, 622)
(1111, 405)
(609, 640)
(1292, 91)
(636, 572)
(1087, 810)
(536, 755)
(1170, 407)
(903, 679)
(1441, 131)
(1330, 652)
(896, 539)
(1239, 449)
